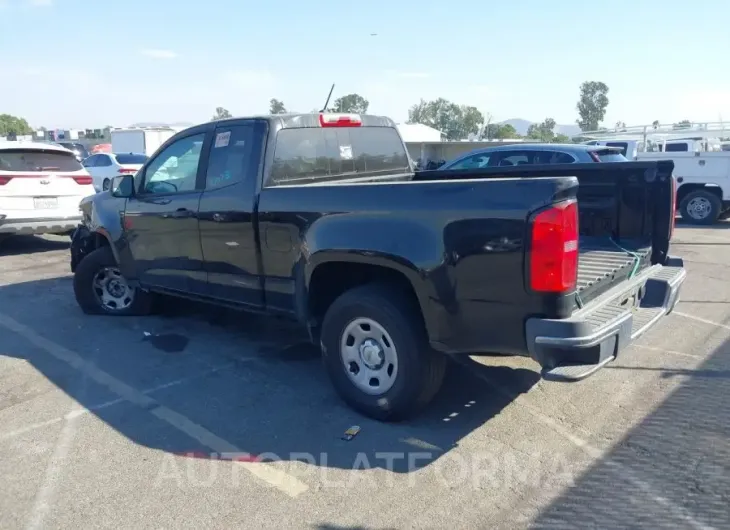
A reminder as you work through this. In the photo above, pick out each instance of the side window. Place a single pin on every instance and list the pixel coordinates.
(103, 161)
(230, 156)
(513, 158)
(175, 169)
(553, 157)
(91, 161)
(472, 162)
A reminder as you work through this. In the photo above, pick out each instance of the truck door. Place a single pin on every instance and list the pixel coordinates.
(227, 215)
(161, 220)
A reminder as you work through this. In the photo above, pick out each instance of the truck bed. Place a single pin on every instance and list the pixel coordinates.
(600, 261)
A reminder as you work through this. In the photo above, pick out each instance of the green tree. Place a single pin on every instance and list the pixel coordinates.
(456, 122)
(592, 105)
(351, 103)
(500, 131)
(562, 139)
(542, 131)
(276, 107)
(13, 126)
(220, 114)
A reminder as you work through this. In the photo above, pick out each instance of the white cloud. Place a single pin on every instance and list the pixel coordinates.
(159, 54)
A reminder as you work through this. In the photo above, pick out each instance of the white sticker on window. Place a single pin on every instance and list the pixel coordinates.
(222, 139)
(346, 152)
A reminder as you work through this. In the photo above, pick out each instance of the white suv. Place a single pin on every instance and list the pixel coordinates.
(41, 186)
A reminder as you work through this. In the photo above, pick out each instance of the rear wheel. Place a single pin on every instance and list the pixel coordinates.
(375, 349)
(106, 185)
(700, 207)
(101, 289)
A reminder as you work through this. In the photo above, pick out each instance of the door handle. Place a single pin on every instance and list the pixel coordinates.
(180, 213)
(218, 218)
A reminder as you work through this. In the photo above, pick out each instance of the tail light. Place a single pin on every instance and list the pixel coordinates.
(554, 249)
(126, 171)
(4, 180)
(340, 120)
(83, 181)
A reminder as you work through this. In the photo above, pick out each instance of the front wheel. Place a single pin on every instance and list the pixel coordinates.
(700, 207)
(375, 349)
(101, 289)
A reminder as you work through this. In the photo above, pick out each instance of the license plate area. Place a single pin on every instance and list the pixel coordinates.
(45, 203)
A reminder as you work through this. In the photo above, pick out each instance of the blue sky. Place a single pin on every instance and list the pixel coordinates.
(86, 63)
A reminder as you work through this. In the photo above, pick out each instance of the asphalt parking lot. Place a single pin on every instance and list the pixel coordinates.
(205, 418)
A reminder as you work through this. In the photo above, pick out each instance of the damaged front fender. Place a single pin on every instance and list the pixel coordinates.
(82, 243)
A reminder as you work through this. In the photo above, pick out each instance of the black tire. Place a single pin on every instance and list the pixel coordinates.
(88, 299)
(715, 205)
(420, 369)
(106, 185)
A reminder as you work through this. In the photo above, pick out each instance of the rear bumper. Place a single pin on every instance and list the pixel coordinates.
(45, 225)
(575, 347)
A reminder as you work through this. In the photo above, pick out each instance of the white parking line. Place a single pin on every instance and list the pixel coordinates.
(45, 495)
(275, 477)
(698, 319)
(672, 352)
(83, 411)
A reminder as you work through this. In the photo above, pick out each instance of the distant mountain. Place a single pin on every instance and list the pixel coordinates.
(521, 127)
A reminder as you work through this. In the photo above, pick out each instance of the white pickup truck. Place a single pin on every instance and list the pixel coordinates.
(701, 169)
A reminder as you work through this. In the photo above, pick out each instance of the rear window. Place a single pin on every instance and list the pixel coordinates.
(610, 155)
(32, 160)
(307, 154)
(677, 148)
(131, 158)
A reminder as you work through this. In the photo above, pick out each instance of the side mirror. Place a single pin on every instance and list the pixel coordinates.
(123, 186)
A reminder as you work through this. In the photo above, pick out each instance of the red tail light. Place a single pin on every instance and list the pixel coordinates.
(83, 181)
(4, 180)
(340, 120)
(126, 171)
(554, 249)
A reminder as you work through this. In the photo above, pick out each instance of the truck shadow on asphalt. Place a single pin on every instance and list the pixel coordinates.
(671, 471)
(17, 245)
(250, 381)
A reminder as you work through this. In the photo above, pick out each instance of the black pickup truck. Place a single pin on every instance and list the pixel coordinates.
(321, 218)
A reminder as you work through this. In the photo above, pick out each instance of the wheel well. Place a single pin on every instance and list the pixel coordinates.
(99, 240)
(686, 189)
(330, 280)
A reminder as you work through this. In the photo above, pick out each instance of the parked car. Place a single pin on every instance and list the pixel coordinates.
(321, 219)
(41, 186)
(79, 150)
(104, 167)
(530, 154)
